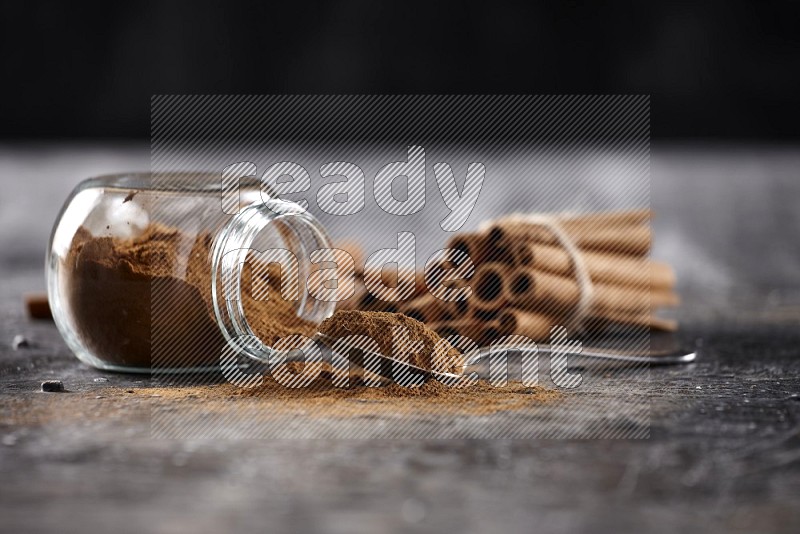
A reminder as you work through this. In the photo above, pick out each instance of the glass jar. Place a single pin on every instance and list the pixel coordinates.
(162, 272)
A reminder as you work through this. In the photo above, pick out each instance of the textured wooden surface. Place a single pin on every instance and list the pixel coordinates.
(723, 453)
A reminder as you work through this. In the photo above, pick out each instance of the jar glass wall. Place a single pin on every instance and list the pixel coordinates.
(130, 276)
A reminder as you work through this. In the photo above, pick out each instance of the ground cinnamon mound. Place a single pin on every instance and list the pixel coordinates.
(379, 326)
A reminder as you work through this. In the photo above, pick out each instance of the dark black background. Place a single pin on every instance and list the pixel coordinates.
(717, 70)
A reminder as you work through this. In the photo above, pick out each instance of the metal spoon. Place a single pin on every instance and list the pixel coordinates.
(477, 363)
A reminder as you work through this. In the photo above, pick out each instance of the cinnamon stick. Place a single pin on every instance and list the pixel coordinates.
(439, 270)
(631, 240)
(525, 323)
(533, 289)
(356, 251)
(359, 296)
(38, 306)
(490, 286)
(479, 331)
(474, 244)
(428, 309)
(363, 300)
(602, 267)
(367, 302)
(481, 249)
(390, 278)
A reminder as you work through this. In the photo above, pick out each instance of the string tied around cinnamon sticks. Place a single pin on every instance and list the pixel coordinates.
(583, 306)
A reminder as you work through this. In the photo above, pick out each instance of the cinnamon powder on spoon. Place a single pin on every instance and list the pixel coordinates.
(380, 327)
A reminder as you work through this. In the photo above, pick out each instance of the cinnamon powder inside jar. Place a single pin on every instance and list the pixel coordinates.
(133, 298)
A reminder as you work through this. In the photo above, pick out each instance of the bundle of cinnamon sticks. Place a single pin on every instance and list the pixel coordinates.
(526, 280)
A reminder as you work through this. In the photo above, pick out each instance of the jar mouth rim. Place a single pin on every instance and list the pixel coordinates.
(193, 181)
(229, 250)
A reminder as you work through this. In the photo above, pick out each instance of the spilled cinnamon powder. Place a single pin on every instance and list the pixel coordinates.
(268, 401)
(321, 399)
